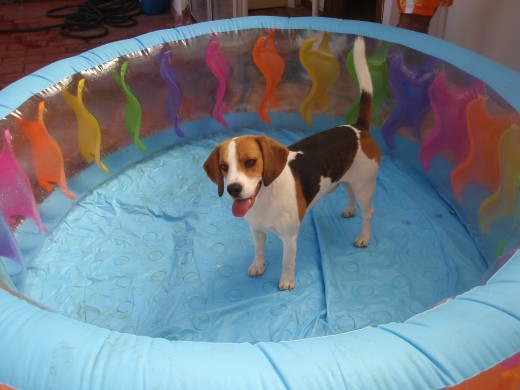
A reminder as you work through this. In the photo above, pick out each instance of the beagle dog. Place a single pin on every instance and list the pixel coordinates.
(273, 186)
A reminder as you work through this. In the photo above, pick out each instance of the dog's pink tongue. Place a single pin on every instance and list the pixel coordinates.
(241, 206)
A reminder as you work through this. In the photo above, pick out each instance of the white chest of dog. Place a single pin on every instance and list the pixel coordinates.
(273, 186)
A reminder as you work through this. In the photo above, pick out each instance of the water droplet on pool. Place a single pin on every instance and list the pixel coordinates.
(365, 290)
(225, 271)
(201, 321)
(190, 277)
(270, 287)
(399, 282)
(151, 236)
(155, 255)
(346, 323)
(124, 282)
(159, 275)
(179, 227)
(234, 295)
(121, 260)
(125, 307)
(278, 309)
(196, 302)
(218, 248)
(211, 229)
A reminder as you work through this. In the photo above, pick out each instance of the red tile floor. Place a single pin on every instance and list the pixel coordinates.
(22, 53)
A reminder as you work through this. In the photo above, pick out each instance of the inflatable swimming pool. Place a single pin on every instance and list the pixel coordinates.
(120, 267)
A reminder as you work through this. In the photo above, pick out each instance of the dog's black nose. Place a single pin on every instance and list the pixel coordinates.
(234, 189)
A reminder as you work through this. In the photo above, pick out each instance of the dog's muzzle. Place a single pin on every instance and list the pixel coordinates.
(241, 206)
(234, 189)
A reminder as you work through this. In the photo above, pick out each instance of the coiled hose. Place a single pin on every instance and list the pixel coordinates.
(89, 20)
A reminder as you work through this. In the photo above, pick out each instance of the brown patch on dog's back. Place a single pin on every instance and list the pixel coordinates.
(370, 148)
(327, 154)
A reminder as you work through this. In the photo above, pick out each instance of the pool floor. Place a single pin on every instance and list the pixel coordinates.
(156, 252)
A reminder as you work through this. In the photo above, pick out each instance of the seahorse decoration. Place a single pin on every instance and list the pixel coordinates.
(46, 153)
(89, 131)
(410, 88)
(450, 133)
(482, 163)
(323, 68)
(506, 198)
(219, 66)
(173, 99)
(133, 110)
(272, 66)
(17, 198)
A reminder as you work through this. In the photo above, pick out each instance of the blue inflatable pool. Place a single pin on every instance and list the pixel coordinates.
(120, 267)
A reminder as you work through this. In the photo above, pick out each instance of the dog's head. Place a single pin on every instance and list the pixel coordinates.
(247, 163)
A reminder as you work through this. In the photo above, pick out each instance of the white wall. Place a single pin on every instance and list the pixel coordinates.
(487, 27)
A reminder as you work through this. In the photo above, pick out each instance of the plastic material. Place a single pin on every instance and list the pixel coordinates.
(272, 66)
(503, 376)
(133, 111)
(173, 100)
(451, 131)
(418, 353)
(17, 199)
(441, 346)
(410, 88)
(8, 246)
(46, 154)
(482, 163)
(190, 265)
(323, 67)
(153, 7)
(220, 68)
(504, 201)
(89, 132)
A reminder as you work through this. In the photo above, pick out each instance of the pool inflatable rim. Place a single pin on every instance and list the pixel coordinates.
(439, 347)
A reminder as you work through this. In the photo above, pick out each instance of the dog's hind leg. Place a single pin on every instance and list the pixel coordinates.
(350, 210)
(364, 194)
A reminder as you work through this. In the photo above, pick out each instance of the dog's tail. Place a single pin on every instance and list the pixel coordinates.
(365, 85)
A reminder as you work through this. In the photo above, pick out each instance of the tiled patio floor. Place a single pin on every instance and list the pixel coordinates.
(22, 53)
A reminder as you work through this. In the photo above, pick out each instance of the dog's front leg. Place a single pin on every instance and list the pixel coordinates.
(258, 265)
(287, 281)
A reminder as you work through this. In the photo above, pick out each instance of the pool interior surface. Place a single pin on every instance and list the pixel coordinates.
(155, 251)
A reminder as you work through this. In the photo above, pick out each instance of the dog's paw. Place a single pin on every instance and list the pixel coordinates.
(361, 242)
(349, 212)
(256, 269)
(286, 284)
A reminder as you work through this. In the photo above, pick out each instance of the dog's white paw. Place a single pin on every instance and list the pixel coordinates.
(256, 269)
(349, 212)
(361, 242)
(286, 284)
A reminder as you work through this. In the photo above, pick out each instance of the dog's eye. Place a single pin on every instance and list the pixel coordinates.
(224, 167)
(250, 163)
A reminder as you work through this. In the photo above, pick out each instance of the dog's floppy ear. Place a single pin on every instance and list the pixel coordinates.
(212, 168)
(274, 156)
